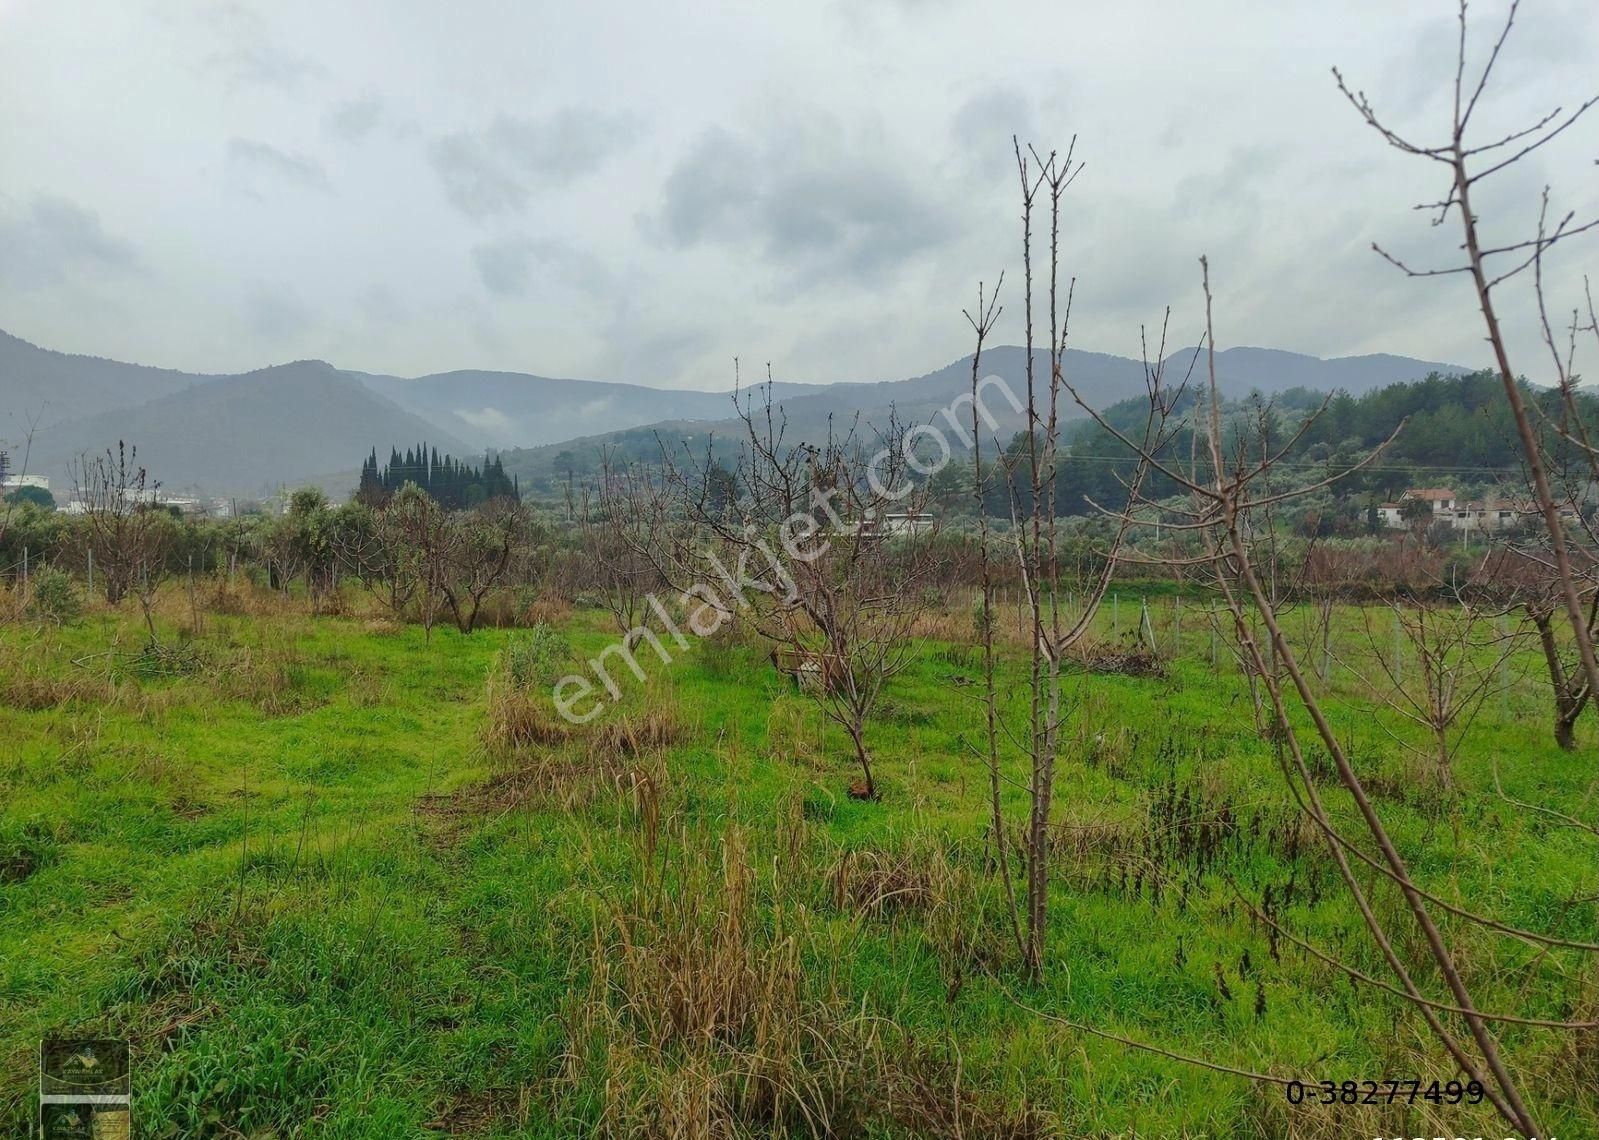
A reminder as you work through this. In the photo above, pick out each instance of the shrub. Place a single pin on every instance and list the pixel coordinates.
(982, 616)
(538, 658)
(53, 597)
(720, 651)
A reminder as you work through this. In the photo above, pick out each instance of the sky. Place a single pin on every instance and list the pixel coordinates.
(641, 192)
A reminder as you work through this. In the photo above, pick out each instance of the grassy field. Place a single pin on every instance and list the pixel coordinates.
(288, 863)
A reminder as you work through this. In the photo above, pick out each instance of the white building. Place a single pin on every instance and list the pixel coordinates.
(1440, 499)
(16, 482)
(910, 522)
(1476, 515)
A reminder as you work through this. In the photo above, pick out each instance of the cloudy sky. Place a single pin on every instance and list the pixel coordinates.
(637, 192)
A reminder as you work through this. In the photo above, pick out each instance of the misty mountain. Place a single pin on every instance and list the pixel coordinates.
(513, 409)
(246, 434)
(310, 421)
(509, 409)
(1270, 370)
(37, 384)
(811, 413)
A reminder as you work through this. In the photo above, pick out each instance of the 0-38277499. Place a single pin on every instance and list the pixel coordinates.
(1383, 1092)
(1330, 1093)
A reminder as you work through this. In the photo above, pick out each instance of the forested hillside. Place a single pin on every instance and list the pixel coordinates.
(1456, 431)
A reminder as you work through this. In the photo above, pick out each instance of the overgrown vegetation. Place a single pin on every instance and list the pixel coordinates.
(403, 903)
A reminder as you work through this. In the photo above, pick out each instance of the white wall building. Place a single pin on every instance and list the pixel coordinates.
(15, 482)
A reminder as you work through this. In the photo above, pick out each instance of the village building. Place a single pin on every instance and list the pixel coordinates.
(1475, 515)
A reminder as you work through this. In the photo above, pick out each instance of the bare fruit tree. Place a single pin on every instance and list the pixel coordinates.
(1523, 578)
(417, 541)
(8, 503)
(1421, 944)
(1467, 164)
(1029, 474)
(128, 535)
(823, 548)
(608, 530)
(1451, 658)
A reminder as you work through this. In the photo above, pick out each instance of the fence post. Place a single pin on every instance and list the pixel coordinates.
(1147, 627)
(24, 571)
(1177, 626)
(1115, 616)
(91, 569)
(1398, 651)
(1504, 685)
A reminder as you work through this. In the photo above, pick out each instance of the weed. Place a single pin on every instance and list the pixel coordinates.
(537, 658)
(53, 596)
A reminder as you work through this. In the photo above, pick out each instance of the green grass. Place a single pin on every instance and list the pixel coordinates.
(296, 879)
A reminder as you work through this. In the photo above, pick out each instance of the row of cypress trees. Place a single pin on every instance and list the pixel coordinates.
(451, 482)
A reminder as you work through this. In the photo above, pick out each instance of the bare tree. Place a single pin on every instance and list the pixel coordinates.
(1522, 578)
(128, 534)
(1458, 658)
(483, 543)
(1468, 164)
(373, 549)
(1224, 495)
(1030, 477)
(822, 548)
(7, 502)
(417, 541)
(613, 544)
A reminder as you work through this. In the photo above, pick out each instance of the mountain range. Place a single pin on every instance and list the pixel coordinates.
(309, 421)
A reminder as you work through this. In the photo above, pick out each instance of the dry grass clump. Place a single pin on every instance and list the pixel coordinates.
(34, 691)
(547, 610)
(707, 1017)
(271, 679)
(520, 718)
(955, 627)
(557, 779)
(879, 883)
(1093, 842)
(1129, 660)
(620, 734)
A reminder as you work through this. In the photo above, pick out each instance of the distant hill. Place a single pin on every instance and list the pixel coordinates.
(299, 422)
(513, 409)
(1271, 370)
(1100, 379)
(53, 386)
(246, 434)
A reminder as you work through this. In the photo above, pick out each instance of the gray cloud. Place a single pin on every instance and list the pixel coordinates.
(508, 267)
(355, 119)
(380, 304)
(505, 266)
(250, 159)
(55, 238)
(818, 185)
(982, 128)
(494, 171)
(827, 206)
(711, 193)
